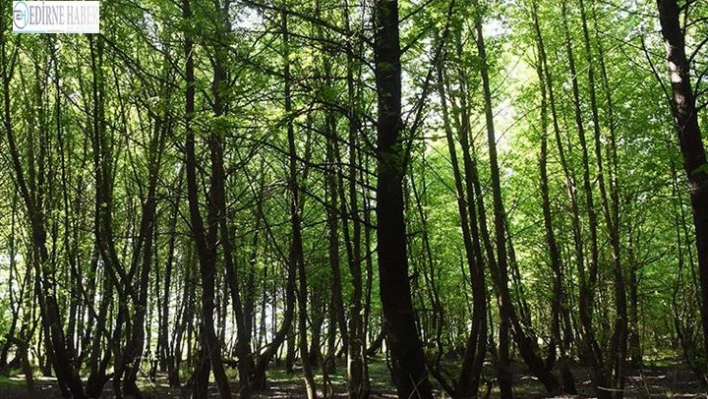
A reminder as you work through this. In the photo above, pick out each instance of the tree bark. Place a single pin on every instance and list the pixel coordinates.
(683, 107)
(399, 318)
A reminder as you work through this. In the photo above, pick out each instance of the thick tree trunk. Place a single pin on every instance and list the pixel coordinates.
(685, 114)
(399, 318)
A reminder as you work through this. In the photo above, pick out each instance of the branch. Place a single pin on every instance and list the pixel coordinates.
(437, 373)
(657, 76)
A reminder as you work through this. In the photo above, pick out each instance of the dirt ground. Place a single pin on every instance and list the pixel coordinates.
(669, 382)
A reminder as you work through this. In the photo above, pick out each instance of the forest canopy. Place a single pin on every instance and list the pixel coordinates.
(360, 198)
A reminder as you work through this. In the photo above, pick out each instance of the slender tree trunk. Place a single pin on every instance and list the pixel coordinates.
(165, 356)
(510, 323)
(221, 217)
(357, 367)
(587, 185)
(297, 259)
(618, 351)
(15, 303)
(500, 272)
(634, 351)
(334, 176)
(602, 379)
(557, 341)
(476, 349)
(205, 238)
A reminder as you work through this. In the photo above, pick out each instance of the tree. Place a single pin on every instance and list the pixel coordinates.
(685, 113)
(399, 319)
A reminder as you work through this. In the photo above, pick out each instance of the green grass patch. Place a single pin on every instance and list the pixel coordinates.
(13, 382)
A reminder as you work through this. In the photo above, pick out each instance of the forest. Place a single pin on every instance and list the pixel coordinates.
(357, 199)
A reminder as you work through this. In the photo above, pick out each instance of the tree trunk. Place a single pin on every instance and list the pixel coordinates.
(557, 341)
(399, 318)
(205, 238)
(510, 323)
(683, 107)
(588, 281)
(476, 349)
(297, 259)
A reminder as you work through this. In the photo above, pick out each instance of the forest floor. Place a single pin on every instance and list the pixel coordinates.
(673, 381)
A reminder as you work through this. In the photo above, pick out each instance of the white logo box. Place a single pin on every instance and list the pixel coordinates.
(56, 16)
